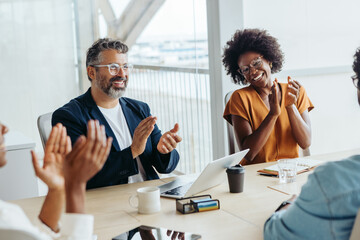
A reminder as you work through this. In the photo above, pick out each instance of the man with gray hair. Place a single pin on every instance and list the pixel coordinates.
(138, 146)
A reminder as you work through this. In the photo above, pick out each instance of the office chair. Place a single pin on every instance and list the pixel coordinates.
(233, 147)
(355, 233)
(44, 126)
(15, 234)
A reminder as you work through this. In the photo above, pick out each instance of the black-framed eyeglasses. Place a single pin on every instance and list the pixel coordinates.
(256, 63)
(355, 80)
(114, 68)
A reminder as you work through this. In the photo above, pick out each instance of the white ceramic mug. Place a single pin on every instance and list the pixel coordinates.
(148, 200)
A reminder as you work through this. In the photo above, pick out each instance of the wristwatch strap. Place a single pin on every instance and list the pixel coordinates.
(283, 204)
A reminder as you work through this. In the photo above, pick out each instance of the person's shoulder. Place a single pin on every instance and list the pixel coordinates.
(74, 107)
(342, 175)
(246, 89)
(245, 92)
(6, 207)
(340, 167)
(242, 98)
(134, 103)
(137, 107)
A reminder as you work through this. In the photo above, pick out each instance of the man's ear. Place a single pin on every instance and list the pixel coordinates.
(91, 72)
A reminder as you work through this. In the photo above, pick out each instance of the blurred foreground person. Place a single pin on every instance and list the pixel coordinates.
(328, 203)
(65, 172)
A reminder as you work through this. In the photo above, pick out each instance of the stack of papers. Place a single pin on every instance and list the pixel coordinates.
(303, 165)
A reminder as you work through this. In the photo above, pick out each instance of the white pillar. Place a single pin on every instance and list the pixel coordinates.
(86, 29)
(224, 17)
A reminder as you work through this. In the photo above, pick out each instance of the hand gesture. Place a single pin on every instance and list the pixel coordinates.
(88, 155)
(293, 198)
(274, 99)
(3, 130)
(291, 201)
(57, 146)
(175, 234)
(146, 233)
(292, 92)
(169, 140)
(141, 134)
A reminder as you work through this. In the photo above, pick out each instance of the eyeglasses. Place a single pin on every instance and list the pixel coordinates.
(114, 68)
(355, 80)
(256, 63)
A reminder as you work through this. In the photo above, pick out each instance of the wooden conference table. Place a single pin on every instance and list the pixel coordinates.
(242, 215)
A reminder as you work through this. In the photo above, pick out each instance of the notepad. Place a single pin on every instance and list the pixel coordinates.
(303, 165)
(206, 204)
(195, 204)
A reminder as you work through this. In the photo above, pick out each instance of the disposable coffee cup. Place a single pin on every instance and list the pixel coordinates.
(236, 178)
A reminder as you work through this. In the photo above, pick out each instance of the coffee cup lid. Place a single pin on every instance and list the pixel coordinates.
(235, 169)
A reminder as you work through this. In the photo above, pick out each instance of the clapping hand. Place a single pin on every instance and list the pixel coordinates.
(274, 99)
(3, 130)
(51, 173)
(175, 234)
(169, 140)
(88, 155)
(141, 134)
(292, 92)
(57, 146)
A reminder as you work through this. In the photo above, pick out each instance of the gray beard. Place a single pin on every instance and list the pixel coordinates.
(115, 93)
(108, 90)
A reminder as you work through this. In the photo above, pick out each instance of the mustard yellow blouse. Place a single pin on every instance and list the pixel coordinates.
(247, 104)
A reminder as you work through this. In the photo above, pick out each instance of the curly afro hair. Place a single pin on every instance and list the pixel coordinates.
(356, 64)
(254, 40)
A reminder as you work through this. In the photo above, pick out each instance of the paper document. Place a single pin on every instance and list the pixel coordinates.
(303, 165)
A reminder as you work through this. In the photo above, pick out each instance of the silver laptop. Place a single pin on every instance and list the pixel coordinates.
(212, 175)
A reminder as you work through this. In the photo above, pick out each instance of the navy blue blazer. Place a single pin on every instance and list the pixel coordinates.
(120, 163)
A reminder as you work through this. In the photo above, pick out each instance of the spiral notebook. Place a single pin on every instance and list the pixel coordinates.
(303, 165)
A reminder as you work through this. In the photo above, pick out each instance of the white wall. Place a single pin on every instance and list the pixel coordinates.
(37, 63)
(319, 39)
(224, 17)
(312, 34)
(335, 118)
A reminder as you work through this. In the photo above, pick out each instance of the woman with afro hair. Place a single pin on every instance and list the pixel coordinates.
(269, 118)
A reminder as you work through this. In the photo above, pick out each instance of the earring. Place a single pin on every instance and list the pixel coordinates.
(270, 65)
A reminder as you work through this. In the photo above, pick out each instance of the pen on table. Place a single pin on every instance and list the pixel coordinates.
(268, 175)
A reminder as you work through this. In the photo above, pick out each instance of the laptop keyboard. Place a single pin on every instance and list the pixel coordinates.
(179, 191)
